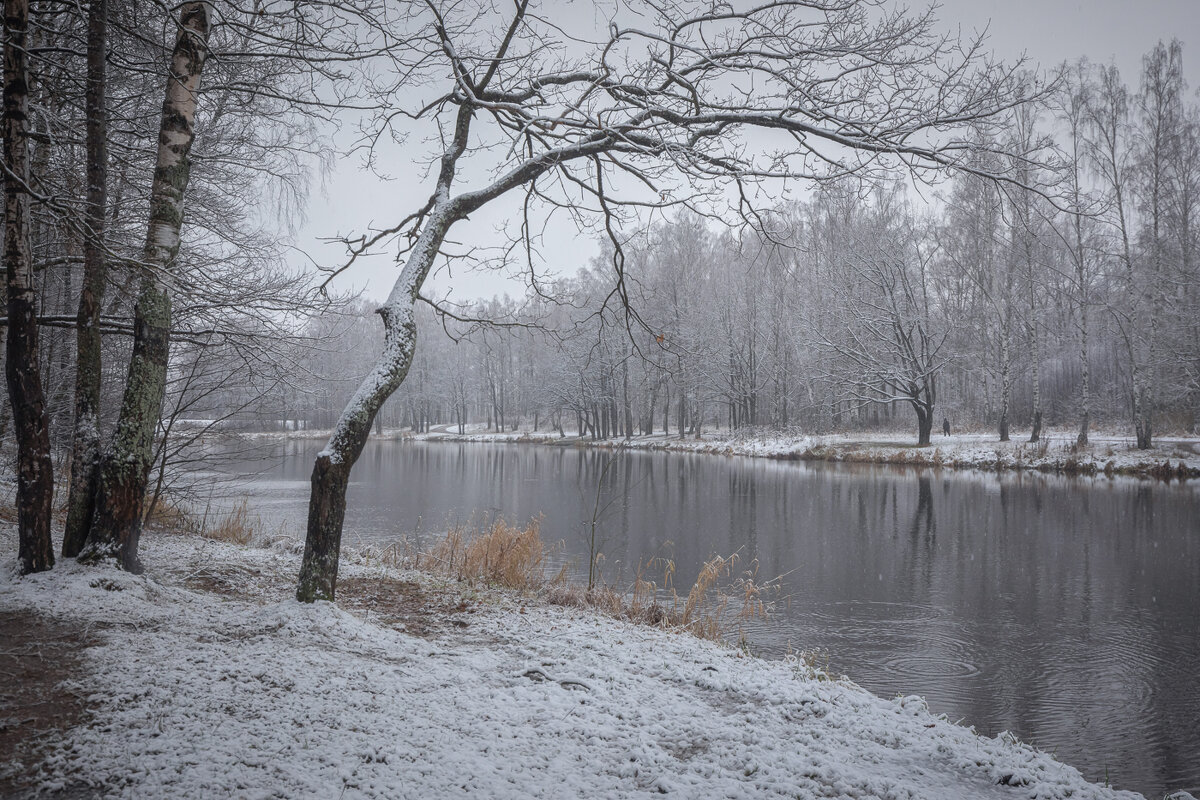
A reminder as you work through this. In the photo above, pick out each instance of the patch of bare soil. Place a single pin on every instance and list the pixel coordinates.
(404, 605)
(243, 583)
(41, 666)
(400, 604)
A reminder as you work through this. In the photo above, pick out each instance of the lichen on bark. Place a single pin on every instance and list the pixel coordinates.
(125, 469)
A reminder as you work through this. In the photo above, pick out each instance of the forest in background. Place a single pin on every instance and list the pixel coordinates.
(1074, 304)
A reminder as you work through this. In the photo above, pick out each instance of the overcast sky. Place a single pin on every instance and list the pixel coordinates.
(1047, 31)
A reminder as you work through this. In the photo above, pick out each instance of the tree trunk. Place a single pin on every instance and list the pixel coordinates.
(666, 409)
(1143, 422)
(1005, 383)
(1036, 433)
(331, 471)
(1085, 392)
(125, 469)
(85, 446)
(924, 423)
(35, 471)
(627, 406)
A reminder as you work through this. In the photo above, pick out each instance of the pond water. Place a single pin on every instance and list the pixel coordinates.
(1064, 610)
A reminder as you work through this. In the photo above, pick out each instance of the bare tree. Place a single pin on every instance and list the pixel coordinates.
(85, 449)
(975, 245)
(1161, 123)
(35, 471)
(1072, 107)
(1027, 247)
(888, 344)
(1108, 118)
(852, 88)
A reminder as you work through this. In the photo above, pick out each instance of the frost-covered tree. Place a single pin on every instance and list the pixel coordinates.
(635, 114)
(889, 342)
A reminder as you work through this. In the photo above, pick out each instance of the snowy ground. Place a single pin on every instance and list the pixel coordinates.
(204, 680)
(1056, 452)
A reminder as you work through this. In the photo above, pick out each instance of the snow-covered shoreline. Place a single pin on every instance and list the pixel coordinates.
(1172, 457)
(208, 680)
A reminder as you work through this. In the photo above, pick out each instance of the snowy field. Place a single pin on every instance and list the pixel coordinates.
(204, 679)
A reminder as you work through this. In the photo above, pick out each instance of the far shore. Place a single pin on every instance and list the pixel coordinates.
(1108, 454)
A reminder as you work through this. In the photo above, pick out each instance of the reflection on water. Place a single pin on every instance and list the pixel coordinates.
(1063, 610)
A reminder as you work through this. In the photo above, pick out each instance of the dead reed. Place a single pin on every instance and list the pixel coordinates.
(235, 527)
(499, 553)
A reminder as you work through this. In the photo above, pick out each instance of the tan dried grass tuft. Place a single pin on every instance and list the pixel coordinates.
(236, 527)
(501, 554)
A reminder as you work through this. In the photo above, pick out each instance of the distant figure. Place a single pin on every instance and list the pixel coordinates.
(946, 426)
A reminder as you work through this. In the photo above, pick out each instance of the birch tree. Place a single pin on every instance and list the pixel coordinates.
(125, 469)
(1160, 126)
(1071, 106)
(974, 245)
(1109, 146)
(1026, 247)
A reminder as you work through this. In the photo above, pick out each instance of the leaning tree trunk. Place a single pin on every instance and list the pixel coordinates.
(331, 471)
(85, 447)
(125, 469)
(35, 472)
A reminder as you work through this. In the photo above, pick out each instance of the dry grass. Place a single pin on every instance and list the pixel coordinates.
(499, 553)
(640, 603)
(721, 596)
(166, 516)
(719, 602)
(235, 527)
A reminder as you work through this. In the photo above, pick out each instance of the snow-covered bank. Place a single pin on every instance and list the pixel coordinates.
(1107, 454)
(1171, 457)
(207, 680)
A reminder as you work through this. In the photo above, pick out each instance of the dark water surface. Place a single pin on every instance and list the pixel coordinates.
(1064, 610)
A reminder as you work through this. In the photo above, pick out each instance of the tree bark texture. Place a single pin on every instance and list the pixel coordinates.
(125, 468)
(331, 471)
(85, 446)
(35, 471)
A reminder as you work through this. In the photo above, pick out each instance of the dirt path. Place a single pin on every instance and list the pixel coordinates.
(43, 680)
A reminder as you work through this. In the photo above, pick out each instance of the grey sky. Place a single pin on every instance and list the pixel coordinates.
(1047, 31)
